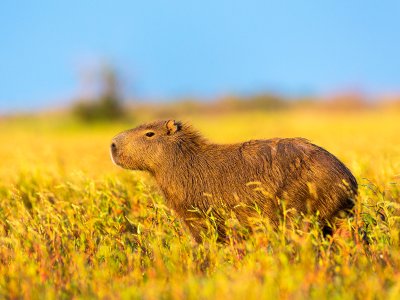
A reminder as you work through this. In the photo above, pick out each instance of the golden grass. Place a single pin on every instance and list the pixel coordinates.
(72, 225)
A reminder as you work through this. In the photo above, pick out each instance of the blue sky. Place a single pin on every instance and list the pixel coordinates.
(175, 48)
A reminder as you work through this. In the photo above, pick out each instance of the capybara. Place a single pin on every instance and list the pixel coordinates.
(197, 176)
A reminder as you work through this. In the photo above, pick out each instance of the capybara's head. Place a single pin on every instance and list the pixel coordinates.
(147, 146)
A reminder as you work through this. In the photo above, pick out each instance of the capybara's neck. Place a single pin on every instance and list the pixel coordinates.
(194, 168)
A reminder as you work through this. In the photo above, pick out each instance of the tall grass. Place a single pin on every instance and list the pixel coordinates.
(72, 225)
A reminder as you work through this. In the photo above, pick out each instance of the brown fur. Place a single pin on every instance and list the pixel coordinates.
(195, 174)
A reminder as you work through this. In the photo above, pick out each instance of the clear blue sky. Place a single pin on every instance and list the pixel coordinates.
(173, 48)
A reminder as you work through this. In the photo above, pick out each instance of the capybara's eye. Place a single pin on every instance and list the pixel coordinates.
(150, 134)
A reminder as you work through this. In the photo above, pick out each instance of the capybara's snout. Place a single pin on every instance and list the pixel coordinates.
(114, 149)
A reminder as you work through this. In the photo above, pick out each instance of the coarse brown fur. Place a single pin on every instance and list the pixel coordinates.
(196, 175)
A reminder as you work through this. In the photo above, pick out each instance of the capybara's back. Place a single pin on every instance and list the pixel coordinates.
(197, 176)
(306, 176)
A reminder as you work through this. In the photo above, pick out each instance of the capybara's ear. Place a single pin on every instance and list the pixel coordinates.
(173, 126)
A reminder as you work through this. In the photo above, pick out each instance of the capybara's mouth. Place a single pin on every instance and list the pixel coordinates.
(119, 160)
(114, 157)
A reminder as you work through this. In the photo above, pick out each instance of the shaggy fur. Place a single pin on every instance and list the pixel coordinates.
(196, 175)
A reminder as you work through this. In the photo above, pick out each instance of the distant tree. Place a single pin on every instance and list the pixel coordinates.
(108, 105)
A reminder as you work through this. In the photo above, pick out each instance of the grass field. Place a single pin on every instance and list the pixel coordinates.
(73, 225)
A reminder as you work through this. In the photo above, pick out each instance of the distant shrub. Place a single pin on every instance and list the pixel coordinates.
(104, 109)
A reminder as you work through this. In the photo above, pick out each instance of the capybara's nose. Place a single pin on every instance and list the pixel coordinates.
(113, 147)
